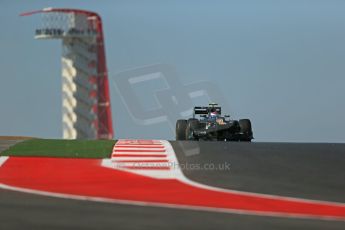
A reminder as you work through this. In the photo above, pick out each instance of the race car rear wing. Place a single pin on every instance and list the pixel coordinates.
(204, 110)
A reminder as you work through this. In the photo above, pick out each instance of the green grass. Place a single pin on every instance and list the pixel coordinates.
(62, 148)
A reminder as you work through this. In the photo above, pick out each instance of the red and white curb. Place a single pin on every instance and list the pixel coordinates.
(2, 160)
(146, 173)
(151, 158)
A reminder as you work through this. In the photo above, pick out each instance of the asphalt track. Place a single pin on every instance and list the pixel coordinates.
(5, 144)
(312, 171)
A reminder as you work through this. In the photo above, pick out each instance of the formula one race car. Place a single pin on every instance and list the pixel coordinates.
(211, 125)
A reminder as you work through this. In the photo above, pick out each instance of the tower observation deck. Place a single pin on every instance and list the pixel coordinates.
(86, 111)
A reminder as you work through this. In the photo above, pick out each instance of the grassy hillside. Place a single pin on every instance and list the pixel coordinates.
(62, 148)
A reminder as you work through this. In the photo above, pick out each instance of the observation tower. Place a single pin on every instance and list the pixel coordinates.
(86, 111)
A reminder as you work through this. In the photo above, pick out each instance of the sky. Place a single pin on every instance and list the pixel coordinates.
(280, 63)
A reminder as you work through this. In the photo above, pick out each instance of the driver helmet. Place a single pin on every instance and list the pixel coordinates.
(213, 112)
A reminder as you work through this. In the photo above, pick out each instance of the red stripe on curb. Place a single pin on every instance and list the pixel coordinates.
(87, 178)
(141, 146)
(139, 150)
(138, 143)
(139, 155)
(142, 161)
(146, 168)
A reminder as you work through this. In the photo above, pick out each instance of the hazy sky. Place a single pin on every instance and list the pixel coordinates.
(280, 63)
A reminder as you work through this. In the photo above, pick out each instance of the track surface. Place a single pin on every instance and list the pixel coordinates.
(311, 171)
(7, 142)
(300, 170)
(25, 211)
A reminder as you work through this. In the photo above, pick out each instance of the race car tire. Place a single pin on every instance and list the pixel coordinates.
(246, 130)
(181, 126)
(192, 124)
